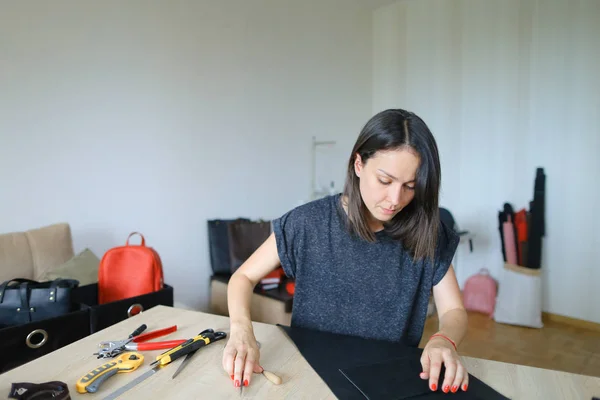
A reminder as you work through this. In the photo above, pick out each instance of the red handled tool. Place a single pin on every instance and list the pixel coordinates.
(136, 342)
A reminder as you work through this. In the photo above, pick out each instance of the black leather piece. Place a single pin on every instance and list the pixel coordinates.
(394, 379)
(328, 353)
(399, 379)
(501, 221)
(347, 363)
(537, 225)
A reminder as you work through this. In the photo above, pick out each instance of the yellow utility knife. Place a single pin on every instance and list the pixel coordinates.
(204, 338)
(126, 362)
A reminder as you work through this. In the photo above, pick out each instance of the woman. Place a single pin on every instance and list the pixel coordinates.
(365, 261)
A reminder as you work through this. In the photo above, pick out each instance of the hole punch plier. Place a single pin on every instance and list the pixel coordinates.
(135, 342)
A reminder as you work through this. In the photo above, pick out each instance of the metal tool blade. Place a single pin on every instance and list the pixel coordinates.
(183, 364)
(131, 384)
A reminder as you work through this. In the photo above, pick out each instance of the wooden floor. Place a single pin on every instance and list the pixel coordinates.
(557, 345)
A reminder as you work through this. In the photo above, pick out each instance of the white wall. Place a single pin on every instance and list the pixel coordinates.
(507, 86)
(157, 116)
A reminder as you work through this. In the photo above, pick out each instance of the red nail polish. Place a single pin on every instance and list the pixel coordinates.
(231, 377)
(236, 383)
(246, 382)
(465, 387)
(446, 389)
(454, 389)
(433, 386)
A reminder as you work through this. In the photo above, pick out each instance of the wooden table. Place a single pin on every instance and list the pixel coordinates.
(204, 376)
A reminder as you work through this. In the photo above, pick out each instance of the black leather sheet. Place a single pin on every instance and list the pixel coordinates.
(356, 368)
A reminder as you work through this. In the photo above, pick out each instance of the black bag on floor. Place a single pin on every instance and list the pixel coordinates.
(23, 300)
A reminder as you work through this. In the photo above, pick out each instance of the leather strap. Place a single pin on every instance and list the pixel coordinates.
(24, 297)
(24, 283)
(7, 283)
(135, 233)
(2, 290)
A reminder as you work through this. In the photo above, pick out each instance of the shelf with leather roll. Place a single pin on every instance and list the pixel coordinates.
(272, 306)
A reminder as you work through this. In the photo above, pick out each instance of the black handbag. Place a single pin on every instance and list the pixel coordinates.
(245, 237)
(232, 241)
(31, 301)
(218, 245)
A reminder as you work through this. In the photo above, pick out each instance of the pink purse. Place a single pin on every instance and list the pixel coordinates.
(479, 293)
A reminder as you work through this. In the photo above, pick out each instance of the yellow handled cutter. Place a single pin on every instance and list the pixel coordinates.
(126, 362)
(190, 346)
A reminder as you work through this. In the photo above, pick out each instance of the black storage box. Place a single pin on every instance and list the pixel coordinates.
(105, 315)
(23, 343)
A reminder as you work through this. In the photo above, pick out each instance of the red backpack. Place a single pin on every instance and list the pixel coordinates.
(129, 271)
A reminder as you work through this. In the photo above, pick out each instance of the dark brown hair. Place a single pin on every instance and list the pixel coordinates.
(416, 226)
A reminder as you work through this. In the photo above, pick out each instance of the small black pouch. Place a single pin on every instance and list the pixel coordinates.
(54, 390)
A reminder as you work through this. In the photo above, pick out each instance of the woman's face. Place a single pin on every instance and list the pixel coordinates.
(387, 182)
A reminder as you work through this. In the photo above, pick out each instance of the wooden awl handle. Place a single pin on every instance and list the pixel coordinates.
(272, 377)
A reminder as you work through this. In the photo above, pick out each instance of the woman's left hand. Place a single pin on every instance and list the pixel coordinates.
(439, 351)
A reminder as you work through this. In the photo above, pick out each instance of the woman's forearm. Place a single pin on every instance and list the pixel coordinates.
(453, 323)
(241, 284)
(239, 295)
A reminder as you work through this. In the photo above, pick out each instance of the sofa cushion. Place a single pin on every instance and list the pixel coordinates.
(83, 267)
(15, 257)
(51, 246)
(31, 253)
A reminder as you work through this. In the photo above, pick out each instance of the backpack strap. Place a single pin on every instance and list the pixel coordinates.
(135, 233)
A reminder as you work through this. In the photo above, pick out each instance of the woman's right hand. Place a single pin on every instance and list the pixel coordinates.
(241, 355)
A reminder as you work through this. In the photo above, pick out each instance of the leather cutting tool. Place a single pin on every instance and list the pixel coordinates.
(209, 334)
(110, 349)
(126, 362)
(189, 346)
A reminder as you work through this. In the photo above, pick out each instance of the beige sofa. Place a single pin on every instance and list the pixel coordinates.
(33, 253)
